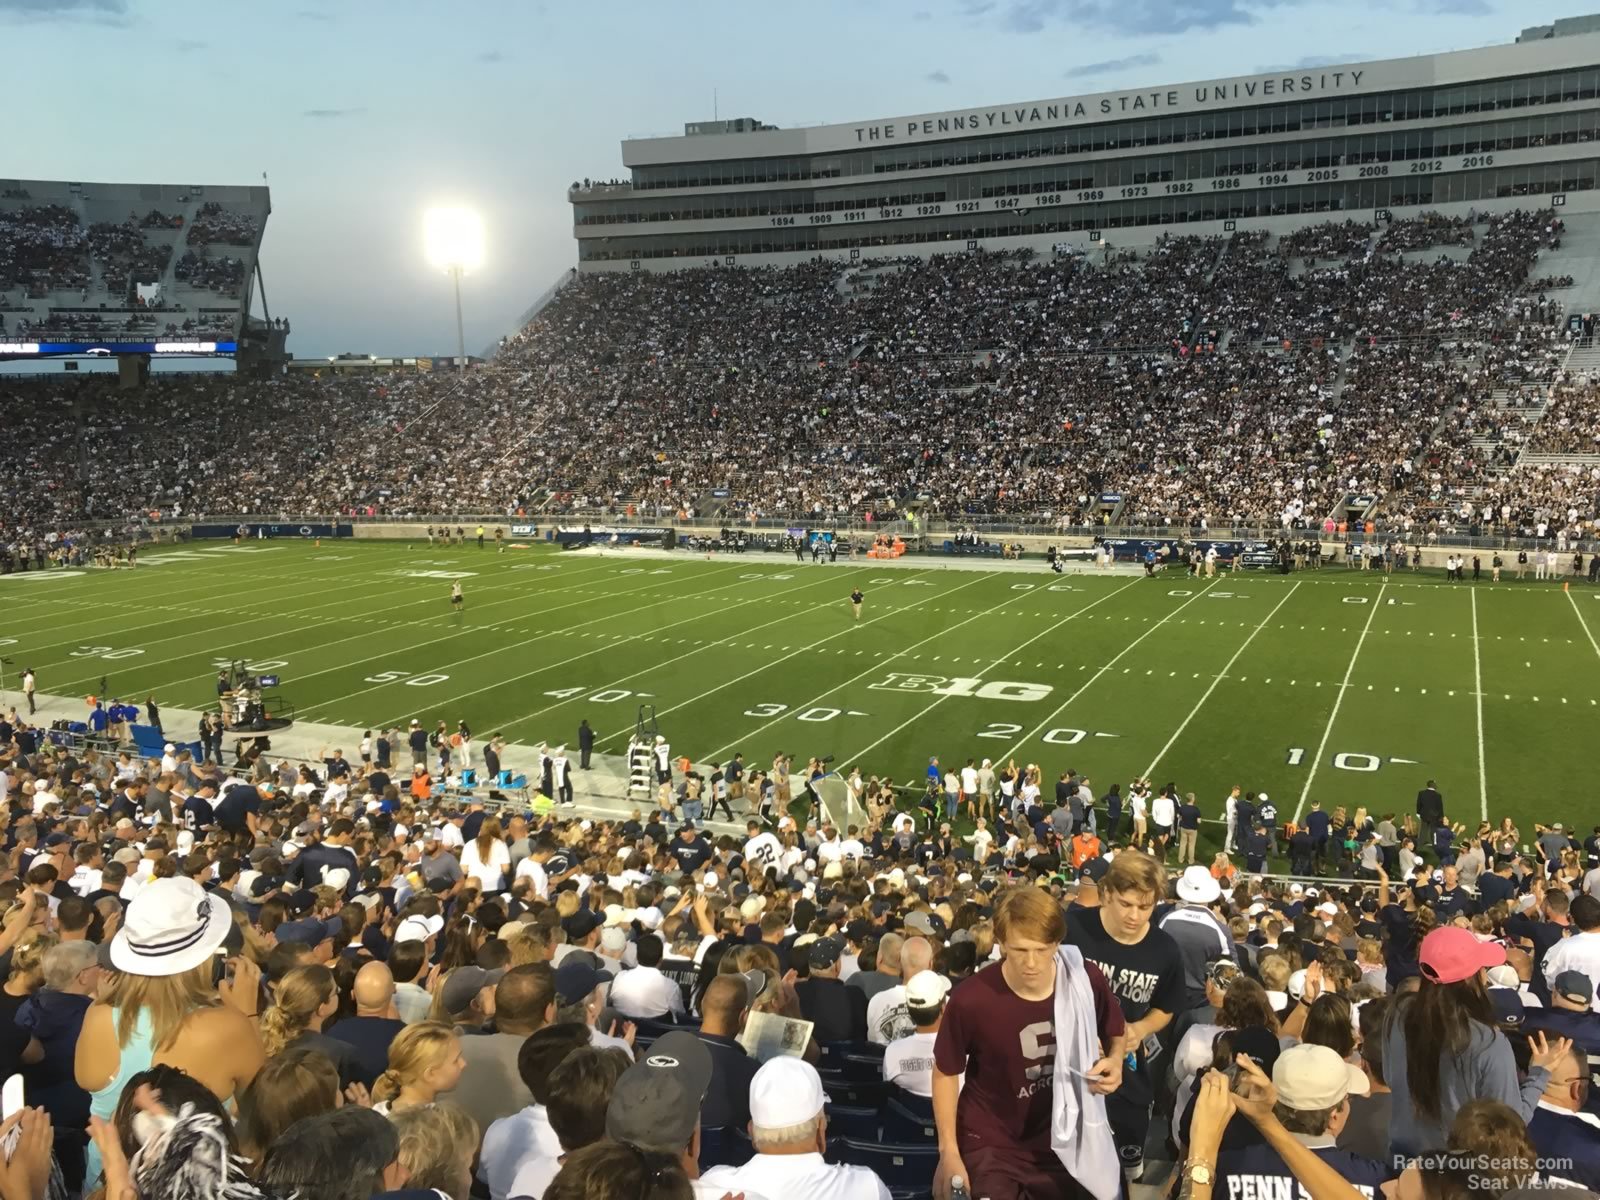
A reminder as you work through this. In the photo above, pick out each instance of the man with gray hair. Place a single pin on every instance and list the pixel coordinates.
(790, 1132)
(885, 974)
(50, 1021)
(887, 1018)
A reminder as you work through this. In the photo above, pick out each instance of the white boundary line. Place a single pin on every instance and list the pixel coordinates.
(1577, 612)
(1067, 703)
(873, 669)
(1228, 666)
(1337, 703)
(912, 720)
(1477, 696)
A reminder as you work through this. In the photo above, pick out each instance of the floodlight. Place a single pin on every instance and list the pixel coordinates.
(453, 239)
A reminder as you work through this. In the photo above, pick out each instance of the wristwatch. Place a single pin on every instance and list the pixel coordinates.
(1200, 1173)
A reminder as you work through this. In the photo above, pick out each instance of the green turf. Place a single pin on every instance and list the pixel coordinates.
(1207, 683)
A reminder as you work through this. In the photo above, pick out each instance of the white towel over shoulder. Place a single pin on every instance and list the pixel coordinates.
(1080, 1133)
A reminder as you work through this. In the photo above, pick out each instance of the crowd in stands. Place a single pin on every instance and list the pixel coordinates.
(1207, 382)
(263, 979)
(214, 224)
(41, 251)
(222, 273)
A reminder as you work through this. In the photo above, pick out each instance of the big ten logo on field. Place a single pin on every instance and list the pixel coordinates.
(938, 685)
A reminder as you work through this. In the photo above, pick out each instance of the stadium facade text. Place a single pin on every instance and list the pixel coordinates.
(1022, 116)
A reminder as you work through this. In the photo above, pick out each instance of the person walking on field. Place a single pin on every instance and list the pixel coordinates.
(28, 683)
(856, 598)
(457, 600)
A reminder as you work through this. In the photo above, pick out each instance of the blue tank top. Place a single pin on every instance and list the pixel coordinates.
(135, 1058)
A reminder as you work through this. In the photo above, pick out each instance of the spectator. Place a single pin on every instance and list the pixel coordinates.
(644, 991)
(908, 1061)
(375, 1025)
(886, 1011)
(1313, 1085)
(51, 1019)
(291, 1084)
(493, 1086)
(789, 1130)
(437, 1145)
(723, 1009)
(837, 1013)
(425, 1062)
(611, 1171)
(158, 1001)
(351, 1153)
(1442, 1050)
(514, 1141)
(303, 1000)
(1366, 1130)
(580, 1091)
(1560, 1128)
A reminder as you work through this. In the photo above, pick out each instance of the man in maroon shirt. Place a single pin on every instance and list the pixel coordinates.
(999, 1030)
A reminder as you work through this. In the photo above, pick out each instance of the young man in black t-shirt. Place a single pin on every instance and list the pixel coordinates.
(1144, 968)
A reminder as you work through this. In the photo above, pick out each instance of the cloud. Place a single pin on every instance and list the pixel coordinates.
(332, 114)
(1112, 65)
(109, 11)
(1124, 17)
(189, 46)
(492, 56)
(937, 77)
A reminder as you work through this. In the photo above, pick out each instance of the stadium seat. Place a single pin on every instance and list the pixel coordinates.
(907, 1171)
(469, 777)
(720, 1148)
(908, 1119)
(853, 1121)
(867, 1093)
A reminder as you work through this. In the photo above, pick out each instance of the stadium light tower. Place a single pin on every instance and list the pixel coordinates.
(453, 242)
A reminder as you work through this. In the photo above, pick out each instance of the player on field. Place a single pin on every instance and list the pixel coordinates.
(457, 600)
(855, 602)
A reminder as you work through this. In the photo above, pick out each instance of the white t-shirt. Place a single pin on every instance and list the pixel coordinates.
(908, 1063)
(535, 871)
(491, 874)
(512, 1143)
(1163, 810)
(795, 1177)
(969, 780)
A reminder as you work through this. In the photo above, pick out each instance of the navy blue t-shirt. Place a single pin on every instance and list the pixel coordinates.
(239, 800)
(1260, 1171)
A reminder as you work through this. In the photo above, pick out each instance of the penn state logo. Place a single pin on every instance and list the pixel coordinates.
(662, 1062)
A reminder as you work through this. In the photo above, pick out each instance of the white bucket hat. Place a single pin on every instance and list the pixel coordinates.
(172, 926)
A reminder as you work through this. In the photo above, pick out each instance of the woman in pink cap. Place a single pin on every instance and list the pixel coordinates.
(1442, 1048)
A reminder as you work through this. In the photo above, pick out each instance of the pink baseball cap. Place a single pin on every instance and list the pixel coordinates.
(1450, 955)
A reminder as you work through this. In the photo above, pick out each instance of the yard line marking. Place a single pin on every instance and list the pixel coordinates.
(828, 603)
(901, 653)
(1228, 666)
(1338, 701)
(1579, 613)
(391, 653)
(802, 650)
(1090, 682)
(860, 754)
(1477, 683)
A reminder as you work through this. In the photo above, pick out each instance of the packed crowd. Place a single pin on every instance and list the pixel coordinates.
(41, 251)
(214, 224)
(222, 273)
(276, 980)
(1205, 382)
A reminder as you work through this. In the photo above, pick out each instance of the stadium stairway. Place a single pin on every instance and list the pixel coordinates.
(601, 792)
(1579, 257)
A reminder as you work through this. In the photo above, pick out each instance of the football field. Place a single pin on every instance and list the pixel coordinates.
(1350, 688)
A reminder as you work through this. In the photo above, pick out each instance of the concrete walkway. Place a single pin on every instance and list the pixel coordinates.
(601, 791)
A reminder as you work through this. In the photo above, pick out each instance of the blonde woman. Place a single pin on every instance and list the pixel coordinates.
(487, 858)
(160, 1004)
(27, 973)
(304, 1000)
(424, 1062)
(437, 1145)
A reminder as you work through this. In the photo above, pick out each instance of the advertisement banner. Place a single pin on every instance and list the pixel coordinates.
(285, 529)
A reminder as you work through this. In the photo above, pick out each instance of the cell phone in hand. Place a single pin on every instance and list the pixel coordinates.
(11, 1098)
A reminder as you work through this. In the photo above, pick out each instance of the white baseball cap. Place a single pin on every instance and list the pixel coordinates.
(926, 990)
(418, 928)
(786, 1091)
(1312, 1078)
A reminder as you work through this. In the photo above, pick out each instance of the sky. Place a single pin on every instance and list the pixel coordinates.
(363, 114)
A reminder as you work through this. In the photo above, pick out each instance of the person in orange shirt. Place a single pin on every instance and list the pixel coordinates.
(1084, 847)
(421, 782)
(1222, 870)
